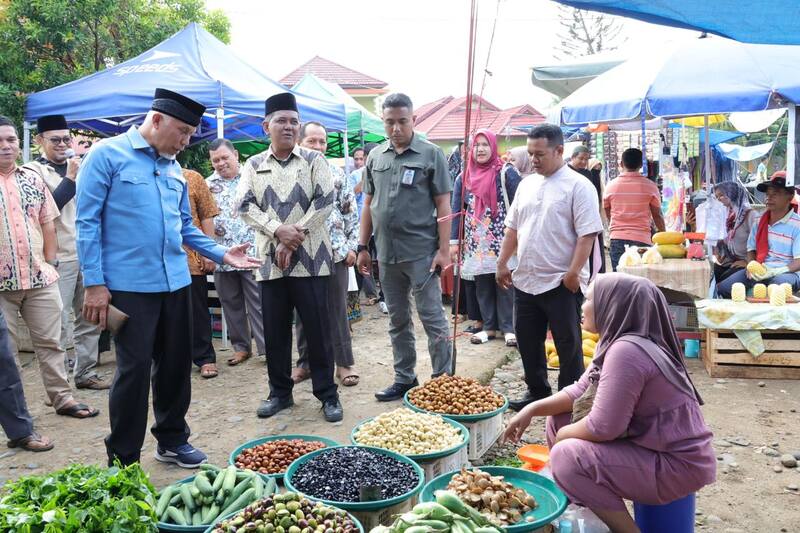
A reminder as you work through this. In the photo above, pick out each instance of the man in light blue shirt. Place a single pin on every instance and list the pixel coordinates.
(133, 216)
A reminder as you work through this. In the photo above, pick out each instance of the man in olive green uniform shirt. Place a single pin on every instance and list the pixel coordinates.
(407, 188)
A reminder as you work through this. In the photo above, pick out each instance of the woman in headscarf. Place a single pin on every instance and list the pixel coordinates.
(731, 252)
(490, 188)
(631, 427)
(521, 159)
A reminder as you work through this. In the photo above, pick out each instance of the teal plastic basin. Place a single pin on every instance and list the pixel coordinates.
(426, 456)
(458, 418)
(551, 501)
(357, 506)
(255, 442)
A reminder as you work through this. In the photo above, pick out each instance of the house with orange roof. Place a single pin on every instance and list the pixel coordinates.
(362, 87)
(442, 121)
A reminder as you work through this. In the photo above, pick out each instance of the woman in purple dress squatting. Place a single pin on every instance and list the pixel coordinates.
(643, 437)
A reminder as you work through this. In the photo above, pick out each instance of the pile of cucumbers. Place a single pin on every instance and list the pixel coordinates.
(214, 492)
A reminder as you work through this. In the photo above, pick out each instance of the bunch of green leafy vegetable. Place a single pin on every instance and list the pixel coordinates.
(80, 498)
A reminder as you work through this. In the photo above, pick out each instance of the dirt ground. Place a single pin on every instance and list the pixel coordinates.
(752, 421)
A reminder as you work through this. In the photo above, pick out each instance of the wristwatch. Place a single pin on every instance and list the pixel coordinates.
(362, 248)
(53, 263)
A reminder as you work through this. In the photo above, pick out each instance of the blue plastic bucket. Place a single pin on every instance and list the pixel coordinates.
(673, 517)
(691, 348)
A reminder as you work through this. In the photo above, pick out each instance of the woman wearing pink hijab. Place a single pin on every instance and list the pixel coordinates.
(490, 188)
(631, 427)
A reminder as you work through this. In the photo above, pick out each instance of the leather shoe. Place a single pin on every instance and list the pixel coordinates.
(395, 391)
(273, 406)
(521, 403)
(332, 410)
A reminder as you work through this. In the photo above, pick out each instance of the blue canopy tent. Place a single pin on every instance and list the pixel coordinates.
(192, 62)
(759, 21)
(696, 77)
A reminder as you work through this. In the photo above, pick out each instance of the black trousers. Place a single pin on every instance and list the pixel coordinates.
(202, 348)
(154, 346)
(560, 309)
(14, 416)
(279, 298)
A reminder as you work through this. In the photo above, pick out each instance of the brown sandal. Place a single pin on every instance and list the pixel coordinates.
(77, 410)
(300, 374)
(209, 370)
(32, 443)
(238, 358)
(350, 380)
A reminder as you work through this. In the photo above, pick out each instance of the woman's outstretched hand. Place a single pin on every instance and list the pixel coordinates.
(517, 426)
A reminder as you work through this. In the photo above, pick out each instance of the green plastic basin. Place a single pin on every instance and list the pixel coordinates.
(357, 506)
(552, 502)
(255, 442)
(460, 418)
(426, 456)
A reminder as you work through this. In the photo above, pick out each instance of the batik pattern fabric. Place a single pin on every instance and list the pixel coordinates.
(343, 221)
(25, 205)
(299, 191)
(230, 229)
(203, 207)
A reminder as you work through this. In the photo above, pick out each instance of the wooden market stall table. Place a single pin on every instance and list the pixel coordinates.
(688, 276)
(750, 340)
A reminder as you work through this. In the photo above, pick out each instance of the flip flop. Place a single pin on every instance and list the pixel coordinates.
(511, 339)
(350, 380)
(371, 301)
(75, 411)
(481, 338)
(238, 358)
(473, 330)
(29, 443)
(209, 370)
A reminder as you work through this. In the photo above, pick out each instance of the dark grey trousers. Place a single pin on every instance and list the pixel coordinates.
(14, 416)
(496, 304)
(340, 328)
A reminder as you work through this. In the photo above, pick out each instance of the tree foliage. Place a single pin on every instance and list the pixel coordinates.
(50, 42)
(587, 32)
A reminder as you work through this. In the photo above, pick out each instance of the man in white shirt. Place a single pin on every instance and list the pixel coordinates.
(552, 225)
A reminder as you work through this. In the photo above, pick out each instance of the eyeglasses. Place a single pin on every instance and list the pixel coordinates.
(56, 140)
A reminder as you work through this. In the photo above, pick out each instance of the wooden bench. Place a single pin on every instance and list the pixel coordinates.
(724, 355)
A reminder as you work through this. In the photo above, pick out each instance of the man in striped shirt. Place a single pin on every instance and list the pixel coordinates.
(631, 201)
(774, 241)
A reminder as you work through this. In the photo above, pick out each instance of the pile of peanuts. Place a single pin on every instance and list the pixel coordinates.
(409, 433)
(455, 395)
(275, 456)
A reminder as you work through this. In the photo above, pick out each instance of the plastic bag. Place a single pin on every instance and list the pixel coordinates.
(630, 257)
(652, 257)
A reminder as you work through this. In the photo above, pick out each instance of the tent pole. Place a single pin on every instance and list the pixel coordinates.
(345, 147)
(26, 142)
(220, 123)
(791, 146)
(707, 154)
(644, 142)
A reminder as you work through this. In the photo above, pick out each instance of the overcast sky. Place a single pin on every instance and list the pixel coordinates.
(417, 46)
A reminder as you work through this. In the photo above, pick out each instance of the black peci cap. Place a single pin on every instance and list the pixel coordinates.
(178, 106)
(280, 102)
(51, 123)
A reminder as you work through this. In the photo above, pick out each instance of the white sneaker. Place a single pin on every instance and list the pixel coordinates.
(383, 308)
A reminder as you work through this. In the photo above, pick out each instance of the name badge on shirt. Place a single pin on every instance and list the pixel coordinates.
(408, 177)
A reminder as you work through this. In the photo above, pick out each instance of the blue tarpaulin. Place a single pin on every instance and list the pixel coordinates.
(697, 77)
(192, 62)
(749, 21)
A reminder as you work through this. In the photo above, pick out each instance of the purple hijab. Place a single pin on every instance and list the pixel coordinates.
(632, 308)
